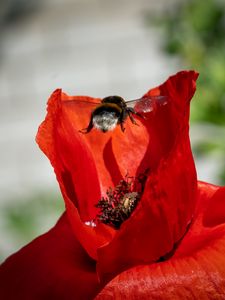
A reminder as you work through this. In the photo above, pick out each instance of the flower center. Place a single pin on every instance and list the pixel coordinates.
(120, 201)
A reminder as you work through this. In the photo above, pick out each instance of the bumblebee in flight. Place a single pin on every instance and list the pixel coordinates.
(114, 110)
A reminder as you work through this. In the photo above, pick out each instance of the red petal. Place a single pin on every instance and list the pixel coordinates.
(53, 266)
(107, 147)
(215, 213)
(167, 204)
(70, 156)
(86, 165)
(196, 271)
(74, 167)
(129, 148)
(80, 160)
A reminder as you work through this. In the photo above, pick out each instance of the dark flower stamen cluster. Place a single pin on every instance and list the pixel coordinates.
(120, 201)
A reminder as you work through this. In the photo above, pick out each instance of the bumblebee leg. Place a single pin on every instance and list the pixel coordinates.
(123, 117)
(130, 111)
(132, 118)
(122, 126)
(89, 128)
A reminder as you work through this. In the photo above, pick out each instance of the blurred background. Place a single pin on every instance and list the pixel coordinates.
(97, 48)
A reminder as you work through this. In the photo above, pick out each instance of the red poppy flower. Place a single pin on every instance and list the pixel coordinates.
(171, 247)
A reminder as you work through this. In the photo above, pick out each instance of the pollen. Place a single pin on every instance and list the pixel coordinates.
(120, 201)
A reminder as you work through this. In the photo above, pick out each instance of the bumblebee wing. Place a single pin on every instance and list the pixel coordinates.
(147, 104)
(80, 110)
(82, 100)
(83, 104)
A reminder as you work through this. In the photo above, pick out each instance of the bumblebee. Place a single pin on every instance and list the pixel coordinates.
(114, 110)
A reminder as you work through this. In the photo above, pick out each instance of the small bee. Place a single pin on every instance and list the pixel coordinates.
(114, 110)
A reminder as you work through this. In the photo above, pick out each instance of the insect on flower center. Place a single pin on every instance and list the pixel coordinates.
(120, 201)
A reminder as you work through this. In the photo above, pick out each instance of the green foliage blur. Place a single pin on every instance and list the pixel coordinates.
(194, 32)
(22, 220)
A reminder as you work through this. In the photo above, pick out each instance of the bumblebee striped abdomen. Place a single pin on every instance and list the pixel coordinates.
(106, 116)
